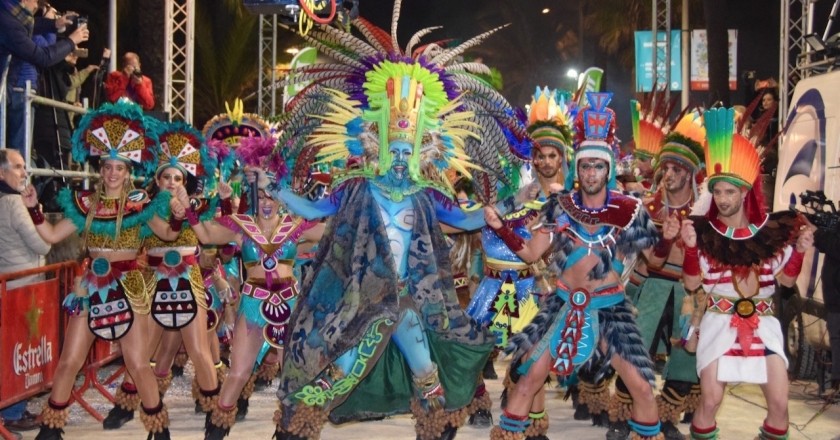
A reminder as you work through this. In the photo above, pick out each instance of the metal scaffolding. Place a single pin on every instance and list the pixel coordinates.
(179, 59)
(267, 91)
(796, 21)
(661, 21)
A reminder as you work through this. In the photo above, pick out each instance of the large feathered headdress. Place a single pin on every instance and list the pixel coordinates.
(376, 92)
(118, 131)
(183, 147)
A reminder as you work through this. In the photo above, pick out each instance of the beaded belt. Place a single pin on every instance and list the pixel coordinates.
(499, 273)
(286, 293)
(743, 307)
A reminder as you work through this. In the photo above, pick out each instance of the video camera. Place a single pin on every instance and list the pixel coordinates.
(815, 203)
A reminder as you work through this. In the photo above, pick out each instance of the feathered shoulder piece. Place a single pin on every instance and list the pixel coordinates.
(376, 92)
(619, 210)
(138, 209)
(741, 248)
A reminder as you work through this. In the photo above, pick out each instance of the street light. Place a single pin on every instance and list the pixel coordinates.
(572, 73)
(546, 10)
(292, 50)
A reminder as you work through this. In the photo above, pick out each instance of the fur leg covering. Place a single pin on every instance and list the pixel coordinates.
(207, 399)
(306, 423)
(156, 419)
(671, 400)
(620, 332)
(248, 389)
(539, 425)
(223, 417)
(497, 433)
(481, 400)
(55, 415)
(692, 401)
(163, 382)
(430, 424)
(181, 360)
(221, 372)
(621, 403)
(267, 371)
(596, 396)
(127, 398)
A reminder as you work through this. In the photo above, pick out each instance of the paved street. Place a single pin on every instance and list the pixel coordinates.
(740, 416)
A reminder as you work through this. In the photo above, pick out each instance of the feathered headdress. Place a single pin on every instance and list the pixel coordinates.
(684, 144)
(650, 120)
(183, 147)
(549, 120)
(377, 92)
(118, 131)
(232, 126)
(595, 135)
(732, 157)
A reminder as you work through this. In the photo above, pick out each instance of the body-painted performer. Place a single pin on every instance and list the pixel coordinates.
(380, 311)
(268, 241)
(678, 157)
(112, 301)
(591, 231)
(734, 253)
(173, 278)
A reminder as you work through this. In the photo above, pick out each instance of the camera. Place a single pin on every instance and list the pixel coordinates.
(816, 202)
(81, 52)
(137, 73)
(81, 20)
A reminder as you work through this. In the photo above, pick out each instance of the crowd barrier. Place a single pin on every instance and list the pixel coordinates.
(31, 336)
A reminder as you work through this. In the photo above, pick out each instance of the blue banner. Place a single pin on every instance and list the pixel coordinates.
(644, 59)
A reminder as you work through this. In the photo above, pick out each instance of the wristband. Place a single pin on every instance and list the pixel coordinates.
(510, 239)
(228, 250)
(226, 206)
(175, 224)
(794, 264)
(36, 214)
(691, 263)
(662, 248)
(192, 217)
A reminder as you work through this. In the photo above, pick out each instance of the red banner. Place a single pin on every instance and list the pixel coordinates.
(29, 338)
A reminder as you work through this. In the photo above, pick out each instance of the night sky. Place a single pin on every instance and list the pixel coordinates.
(535, 49)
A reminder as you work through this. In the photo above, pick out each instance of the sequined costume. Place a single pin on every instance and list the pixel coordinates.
(268, 303)
(116, 290)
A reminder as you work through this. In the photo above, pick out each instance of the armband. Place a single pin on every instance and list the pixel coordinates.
(175, 224)
(662, 248)
(794, 264)
(192, 217)
(226, 207)
(36, 214)
(691, 264)
(510, 239)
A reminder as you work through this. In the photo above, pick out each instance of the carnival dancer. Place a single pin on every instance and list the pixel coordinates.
(734, 253)
(380, 310)
(111, 299)
(268, 241)
(591, 232)
(508, 296)
(174, 282)
(678, 157)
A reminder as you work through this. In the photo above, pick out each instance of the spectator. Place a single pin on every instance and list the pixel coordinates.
(130, 83)
(17, 24)
(20, 248)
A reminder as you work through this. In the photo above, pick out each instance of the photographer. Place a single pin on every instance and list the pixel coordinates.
(827, 241)
(130, 83)
(17, 24)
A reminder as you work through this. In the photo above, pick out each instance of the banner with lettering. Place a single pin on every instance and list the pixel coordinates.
(29, 345)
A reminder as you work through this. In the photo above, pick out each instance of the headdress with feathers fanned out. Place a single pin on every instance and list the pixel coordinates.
(352, 108)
